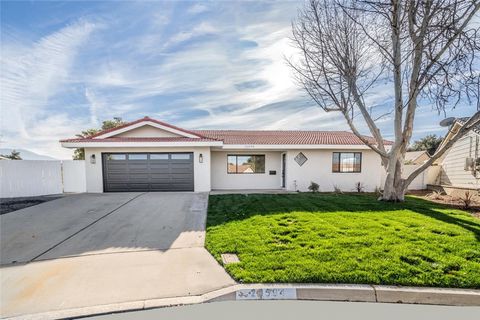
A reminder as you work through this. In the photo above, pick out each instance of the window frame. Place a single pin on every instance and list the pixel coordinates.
(246, 155)
(339, 161)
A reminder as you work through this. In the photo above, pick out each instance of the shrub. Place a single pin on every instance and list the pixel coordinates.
(359, 186)
(467, 199)
(435, 195)
(337, 190)
(313, 187)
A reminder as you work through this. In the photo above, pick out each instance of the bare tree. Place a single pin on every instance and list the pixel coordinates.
(424, 50)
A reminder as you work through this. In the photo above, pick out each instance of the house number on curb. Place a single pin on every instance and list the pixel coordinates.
(267, 294)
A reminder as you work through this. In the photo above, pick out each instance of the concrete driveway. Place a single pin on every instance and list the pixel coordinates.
(98, 249)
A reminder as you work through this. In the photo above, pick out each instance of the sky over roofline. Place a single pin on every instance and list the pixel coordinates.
(196, 65)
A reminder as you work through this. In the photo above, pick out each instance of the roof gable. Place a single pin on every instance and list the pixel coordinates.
(146, 131)
(133, 129)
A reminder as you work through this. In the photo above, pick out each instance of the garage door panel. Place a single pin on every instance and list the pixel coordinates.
(180, 171)
(138, 173)
(159, 166)
(181, 177)
(148, 172)
(119, 169)
(119, 176)
(117, 186)
(138, 186)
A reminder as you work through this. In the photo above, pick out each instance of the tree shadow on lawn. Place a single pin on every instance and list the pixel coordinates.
(227, 208)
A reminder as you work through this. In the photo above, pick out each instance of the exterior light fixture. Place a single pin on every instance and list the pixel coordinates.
(92, 159)
(200, 158)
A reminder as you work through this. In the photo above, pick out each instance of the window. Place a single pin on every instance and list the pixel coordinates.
(159, 156)
(117, 157)
(137, 156)
(245, 164)
(300, 159)
(347, 162)
(180, 156)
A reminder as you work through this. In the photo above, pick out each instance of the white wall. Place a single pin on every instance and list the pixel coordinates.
(94, 173)
(419, 182)
(428, 176)
(74, 178)
(28, 178)
(222, 180)
(318, 168)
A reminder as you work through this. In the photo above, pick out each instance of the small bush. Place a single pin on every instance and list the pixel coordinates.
(435, 195)
(313, 187)
(337, 190)
(359, 187)
(467, 199)
(378, 191)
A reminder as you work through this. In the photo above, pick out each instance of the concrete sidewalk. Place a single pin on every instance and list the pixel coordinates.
(102, 279)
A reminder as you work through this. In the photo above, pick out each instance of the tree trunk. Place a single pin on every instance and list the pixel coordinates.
(394, 193)
(394, 188)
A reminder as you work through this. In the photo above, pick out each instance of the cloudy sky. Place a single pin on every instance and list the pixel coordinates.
(66, 66)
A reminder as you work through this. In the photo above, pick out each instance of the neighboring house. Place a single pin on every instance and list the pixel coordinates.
(460, 165)
(150, 155)
(416, 157)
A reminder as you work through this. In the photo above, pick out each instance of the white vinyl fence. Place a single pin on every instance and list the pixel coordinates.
(428, 176)
(28, 178)
(74, 179)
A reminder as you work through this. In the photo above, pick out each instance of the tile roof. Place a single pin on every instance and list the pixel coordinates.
(240, 137)
(246, 137)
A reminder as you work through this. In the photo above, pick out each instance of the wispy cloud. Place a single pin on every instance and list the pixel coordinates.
(32, 74)
(197, 8)
(197, 64)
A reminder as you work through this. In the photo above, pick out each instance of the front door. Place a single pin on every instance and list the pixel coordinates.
(283, 169)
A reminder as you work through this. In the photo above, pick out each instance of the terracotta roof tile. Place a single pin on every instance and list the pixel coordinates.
(284, 137)
(240, 137)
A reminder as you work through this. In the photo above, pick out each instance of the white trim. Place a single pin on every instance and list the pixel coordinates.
(144, 123)
(282, 147)
(127, 144)
(219, 146)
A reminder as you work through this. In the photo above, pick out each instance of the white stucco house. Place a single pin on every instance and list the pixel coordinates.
(151, 155)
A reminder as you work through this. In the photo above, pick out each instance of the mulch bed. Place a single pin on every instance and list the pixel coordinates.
(451, 201)
(14, 204)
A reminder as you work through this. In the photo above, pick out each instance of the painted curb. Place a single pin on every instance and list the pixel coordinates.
(308, 292)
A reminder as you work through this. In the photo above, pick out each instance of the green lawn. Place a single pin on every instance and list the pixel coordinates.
(352, 238)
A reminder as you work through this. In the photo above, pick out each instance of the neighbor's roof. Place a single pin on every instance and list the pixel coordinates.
(238, 137)
(465, 119)
(413, 155)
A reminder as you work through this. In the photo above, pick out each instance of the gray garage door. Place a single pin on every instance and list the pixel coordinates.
(147, 171)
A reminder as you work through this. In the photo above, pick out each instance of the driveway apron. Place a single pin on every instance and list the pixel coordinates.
(88, 250)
